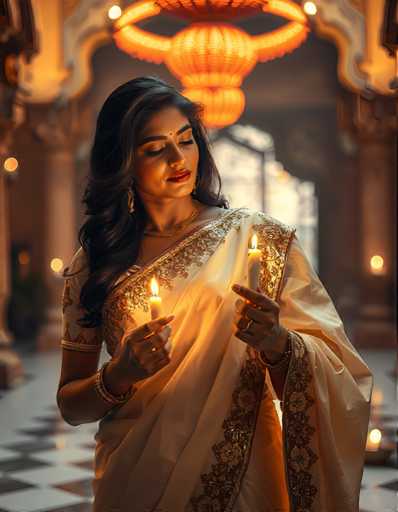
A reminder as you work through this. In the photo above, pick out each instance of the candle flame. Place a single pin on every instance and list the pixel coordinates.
(154, 287)
(254, 242)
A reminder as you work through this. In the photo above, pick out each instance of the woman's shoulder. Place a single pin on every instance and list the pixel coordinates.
(261, 219)
(78, 265)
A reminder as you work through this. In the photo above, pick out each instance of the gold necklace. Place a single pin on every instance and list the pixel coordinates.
(175, 229)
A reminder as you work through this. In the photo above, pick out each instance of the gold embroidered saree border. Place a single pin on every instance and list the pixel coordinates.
(297, 431)
(221, 485)
(176, 262)
(274, 239)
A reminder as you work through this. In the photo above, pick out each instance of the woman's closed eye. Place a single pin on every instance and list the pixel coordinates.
(154, 152)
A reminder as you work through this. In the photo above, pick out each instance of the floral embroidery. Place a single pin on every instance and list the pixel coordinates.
(297, 431)
(194, 250)
(273, 241)
(221, 483)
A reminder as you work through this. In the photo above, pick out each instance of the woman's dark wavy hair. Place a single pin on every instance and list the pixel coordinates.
(111, 235)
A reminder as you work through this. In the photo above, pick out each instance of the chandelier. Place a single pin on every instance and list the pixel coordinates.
(211, 56)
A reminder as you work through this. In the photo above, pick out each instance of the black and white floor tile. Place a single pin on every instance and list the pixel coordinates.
(47, 465)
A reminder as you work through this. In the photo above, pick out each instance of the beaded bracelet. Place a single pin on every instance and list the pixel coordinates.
(283, 359)
(105, 395)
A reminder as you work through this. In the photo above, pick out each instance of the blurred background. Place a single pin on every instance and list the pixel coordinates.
(300, 101)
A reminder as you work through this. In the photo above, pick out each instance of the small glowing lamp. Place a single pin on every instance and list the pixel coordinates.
(23, 258)
(56, 265)
(376, 264)
(310, 8)
(114, 12)
(10, 164)
(373, 440)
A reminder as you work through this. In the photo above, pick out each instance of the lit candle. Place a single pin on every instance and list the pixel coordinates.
(254, 263)
(155, 300)
(374, 440)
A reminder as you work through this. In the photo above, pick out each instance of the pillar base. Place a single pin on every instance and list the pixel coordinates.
(49, 337)
(11, 369)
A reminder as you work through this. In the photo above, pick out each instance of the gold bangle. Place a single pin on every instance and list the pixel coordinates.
(105, 395)
(283, 359)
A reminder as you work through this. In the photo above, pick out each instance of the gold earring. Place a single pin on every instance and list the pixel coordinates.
(130, 200)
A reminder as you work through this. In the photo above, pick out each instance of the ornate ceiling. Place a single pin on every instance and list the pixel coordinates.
(71, 30)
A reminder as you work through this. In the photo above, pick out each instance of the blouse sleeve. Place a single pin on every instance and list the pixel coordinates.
(75, 337)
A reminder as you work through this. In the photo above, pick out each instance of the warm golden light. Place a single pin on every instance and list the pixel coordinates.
(211, 57)
(114, 12)
(286, 9)
(373, 441)
(254, 242)
(154, 287)
(375, 435)
(10, 164)
(221, 106)
(137, 12)
(376, 264)
(310, 8)
(56, 264)
(23, 257)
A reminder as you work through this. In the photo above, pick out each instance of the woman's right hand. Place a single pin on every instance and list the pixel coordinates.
(143, 352)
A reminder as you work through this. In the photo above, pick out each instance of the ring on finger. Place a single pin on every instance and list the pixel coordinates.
(149, 335)
(248, 325)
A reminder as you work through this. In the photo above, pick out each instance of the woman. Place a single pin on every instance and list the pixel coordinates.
(186, 402)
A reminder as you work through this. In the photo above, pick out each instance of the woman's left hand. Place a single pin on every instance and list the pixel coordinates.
(257, 322)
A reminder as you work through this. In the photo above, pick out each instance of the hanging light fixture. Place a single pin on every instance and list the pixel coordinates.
(211, 57)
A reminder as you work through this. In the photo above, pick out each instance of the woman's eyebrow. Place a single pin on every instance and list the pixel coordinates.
(162, 137)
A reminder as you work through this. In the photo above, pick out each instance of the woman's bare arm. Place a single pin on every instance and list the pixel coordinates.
(77, 398)
(143, 353)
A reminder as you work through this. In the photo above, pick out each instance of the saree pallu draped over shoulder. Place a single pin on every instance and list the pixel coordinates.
(203, 434)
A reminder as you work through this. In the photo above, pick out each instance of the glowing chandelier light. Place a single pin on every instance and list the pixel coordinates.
(210, 56)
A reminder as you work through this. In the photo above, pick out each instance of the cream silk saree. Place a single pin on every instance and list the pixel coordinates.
(203, 434)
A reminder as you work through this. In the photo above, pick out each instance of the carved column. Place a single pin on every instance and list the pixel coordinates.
(11, 370)
(59, 233)
(4, 266)
(376, 127)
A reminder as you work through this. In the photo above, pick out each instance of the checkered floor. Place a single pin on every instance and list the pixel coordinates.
(46, 465)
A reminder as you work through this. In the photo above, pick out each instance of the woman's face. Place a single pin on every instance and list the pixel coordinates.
(166, 157)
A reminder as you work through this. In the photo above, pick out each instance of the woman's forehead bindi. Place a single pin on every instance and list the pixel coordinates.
(169, 133)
